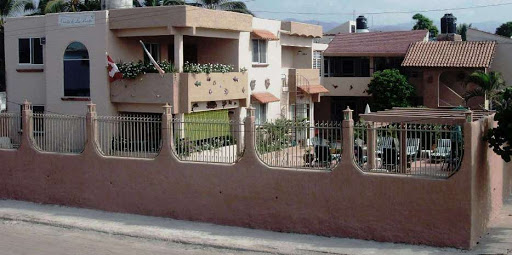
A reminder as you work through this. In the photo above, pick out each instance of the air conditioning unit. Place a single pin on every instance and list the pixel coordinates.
(285, 89)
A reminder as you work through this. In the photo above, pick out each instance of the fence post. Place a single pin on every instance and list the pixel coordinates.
(167, 132)
(348, 136)
(403, 148)
(372, 145)
(27, 124)
(250, 135)
(91, 126)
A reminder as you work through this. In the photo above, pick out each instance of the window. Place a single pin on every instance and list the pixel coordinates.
(346, 67)
(259, 51)
(154, 50)
(260, 111)
(317, 59)
(30, 51)
(76, 71)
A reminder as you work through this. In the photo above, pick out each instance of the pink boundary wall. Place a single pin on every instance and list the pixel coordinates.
(343, 203)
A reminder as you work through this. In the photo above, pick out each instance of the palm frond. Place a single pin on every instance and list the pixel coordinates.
(173, 2)
(478, 92)
(55, 6)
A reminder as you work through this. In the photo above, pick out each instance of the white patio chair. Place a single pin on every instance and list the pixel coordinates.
(5, 143)
(443, 150)
(383, 143)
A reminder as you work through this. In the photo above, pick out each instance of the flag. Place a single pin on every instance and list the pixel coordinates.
(152, 60)
(113, 72)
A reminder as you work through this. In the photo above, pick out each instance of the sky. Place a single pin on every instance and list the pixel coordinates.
(342, 10)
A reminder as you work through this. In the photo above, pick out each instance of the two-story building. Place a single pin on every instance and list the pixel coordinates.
(58, 62)
(349, 63)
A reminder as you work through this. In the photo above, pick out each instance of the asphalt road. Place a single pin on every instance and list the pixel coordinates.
(18, 238)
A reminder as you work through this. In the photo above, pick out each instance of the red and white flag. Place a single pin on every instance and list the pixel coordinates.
(113, 72)
(155, 64)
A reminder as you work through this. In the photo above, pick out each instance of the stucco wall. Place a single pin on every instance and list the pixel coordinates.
(272, 71)
(502, 61)
(345, 202)
(47, 87)
(346, 86)
(23, 85)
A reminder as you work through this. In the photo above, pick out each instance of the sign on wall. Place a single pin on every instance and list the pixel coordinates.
(77, 20)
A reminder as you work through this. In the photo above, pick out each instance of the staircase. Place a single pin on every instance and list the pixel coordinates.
(448, 97)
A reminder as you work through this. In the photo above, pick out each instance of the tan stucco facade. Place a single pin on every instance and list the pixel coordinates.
(180, 31)
(502, 61)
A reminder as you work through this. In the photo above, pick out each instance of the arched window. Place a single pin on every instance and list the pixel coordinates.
(76, 71)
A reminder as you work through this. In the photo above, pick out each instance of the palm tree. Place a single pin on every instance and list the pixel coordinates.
(13, 8)
(54, 6)
(224, 5)
(489, 86)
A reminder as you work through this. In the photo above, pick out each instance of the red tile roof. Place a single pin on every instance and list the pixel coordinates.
(264, 97)
(264, 35)
(374, 43)
(313, 89)
(450, 54)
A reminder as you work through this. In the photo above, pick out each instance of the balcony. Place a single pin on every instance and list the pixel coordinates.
(305, 81)
(347, 86)
(186, 92)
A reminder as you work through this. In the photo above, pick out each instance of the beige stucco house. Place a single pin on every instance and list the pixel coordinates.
(58, 62)
(502, 61)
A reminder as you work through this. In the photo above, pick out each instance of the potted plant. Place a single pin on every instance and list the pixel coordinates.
(308, 156)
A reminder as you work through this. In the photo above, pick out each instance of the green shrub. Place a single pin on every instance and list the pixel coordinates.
(389, 88)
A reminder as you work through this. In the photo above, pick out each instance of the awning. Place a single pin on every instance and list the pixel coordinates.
(263, 35)
(313, 89)
(264, 97)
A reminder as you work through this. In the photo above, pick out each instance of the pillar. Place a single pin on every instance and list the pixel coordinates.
(178, 52)
(167, 132)
(372, 145)
(28, 127)
(91, 126)
(403, 148)
(250, 135)
(348, 136)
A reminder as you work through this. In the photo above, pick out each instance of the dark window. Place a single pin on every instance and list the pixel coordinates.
(383, 63)
(24, 51)
(346, 67)
(30, 51)
(76, 71)
(154, 50)
(37, 51)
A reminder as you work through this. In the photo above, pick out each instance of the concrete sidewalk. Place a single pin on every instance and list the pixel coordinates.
(498, 241)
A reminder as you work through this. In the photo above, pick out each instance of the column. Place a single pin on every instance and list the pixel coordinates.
(372, 145)
(348, 136)
(178, 52)
(91, 127)
(167, 136)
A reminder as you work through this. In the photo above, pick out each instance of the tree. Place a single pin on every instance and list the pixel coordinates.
(224, 5)
(14, 8)
(389, 88)
(10, 8)
(500, 138)
(423, 23)
(489, 86)
(462, 30)
(505, 29)
(54, 6)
